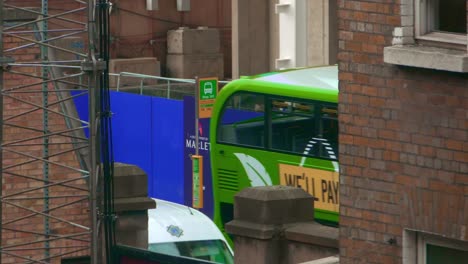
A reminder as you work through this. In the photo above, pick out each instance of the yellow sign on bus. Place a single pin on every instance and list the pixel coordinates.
(321, 184)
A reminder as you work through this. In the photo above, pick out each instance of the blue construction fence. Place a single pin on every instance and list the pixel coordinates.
(158, 135)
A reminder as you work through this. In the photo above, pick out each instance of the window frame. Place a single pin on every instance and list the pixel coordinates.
(430, 51)
(423, 239)
(415, 242)
(424, 23)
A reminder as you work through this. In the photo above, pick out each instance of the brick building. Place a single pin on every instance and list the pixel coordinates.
(403, 131)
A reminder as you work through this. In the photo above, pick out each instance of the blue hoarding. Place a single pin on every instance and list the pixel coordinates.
(148, 132)
(203, 150)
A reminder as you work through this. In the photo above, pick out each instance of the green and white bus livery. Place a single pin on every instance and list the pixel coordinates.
(277, 128)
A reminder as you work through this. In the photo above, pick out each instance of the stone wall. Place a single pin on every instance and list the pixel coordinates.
(131, 205)
(275, 224)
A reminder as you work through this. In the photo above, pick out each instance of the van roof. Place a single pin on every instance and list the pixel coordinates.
(172, 222)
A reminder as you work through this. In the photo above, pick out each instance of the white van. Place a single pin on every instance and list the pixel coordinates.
(179, 230)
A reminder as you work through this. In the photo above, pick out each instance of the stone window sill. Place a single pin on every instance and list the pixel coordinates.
(427, 57)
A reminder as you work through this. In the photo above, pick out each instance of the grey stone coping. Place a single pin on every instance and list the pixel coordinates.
(252, 230)
(129, 181)
(328, 260)
(271, 205)
(313, 233)
(134, 204)
(309, 232)
(427, 57)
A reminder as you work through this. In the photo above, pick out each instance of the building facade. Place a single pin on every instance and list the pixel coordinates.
(403, 131)
(276, 34)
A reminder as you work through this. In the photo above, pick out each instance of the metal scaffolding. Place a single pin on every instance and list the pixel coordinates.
(56, 167)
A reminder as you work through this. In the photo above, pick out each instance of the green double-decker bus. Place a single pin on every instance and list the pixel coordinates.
(277, 128)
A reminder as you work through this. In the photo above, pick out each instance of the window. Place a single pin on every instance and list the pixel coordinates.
(439, 28)
(243, 120)
(215, 251)
(441, 21)
(425, 248)
(306, 128)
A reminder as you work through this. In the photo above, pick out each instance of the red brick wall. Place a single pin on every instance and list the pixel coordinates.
(403, 141)
(12, 183)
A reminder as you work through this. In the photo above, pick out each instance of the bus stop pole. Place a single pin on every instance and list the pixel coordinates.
(197, 102)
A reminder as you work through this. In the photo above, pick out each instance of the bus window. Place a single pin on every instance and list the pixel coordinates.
(329, 132)
(243, 120)
(295, 128)
(292, 125)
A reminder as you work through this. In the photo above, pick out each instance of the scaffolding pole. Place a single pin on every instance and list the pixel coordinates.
(43, 182)
(1, 129)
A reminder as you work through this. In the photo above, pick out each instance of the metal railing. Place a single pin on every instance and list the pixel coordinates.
(161, 83)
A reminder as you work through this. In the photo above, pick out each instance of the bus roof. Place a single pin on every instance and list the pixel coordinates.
(325, 77)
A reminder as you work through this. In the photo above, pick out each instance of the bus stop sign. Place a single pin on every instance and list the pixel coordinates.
(207, 91)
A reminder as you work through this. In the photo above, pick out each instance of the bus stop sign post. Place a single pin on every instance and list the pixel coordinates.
(197, 186)
(205, 95)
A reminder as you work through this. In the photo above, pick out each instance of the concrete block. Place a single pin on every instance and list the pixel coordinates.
(403, 32)
(144, 65)
(257, 251)
(259, 212)
(134, 220)
(191, 65)
(129, 181)
(274, 224)
(131, 204)
(407, 9)
(193, 41)
(273, 205)
(135, 238)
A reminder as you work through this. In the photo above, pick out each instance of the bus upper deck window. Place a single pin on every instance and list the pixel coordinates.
(242, 120)
(329, 132)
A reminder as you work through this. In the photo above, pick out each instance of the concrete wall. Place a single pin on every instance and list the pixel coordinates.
(250, 37)
(255, 35)
(147, 66)
(194, 52)
(403, 141)
(322, 33)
